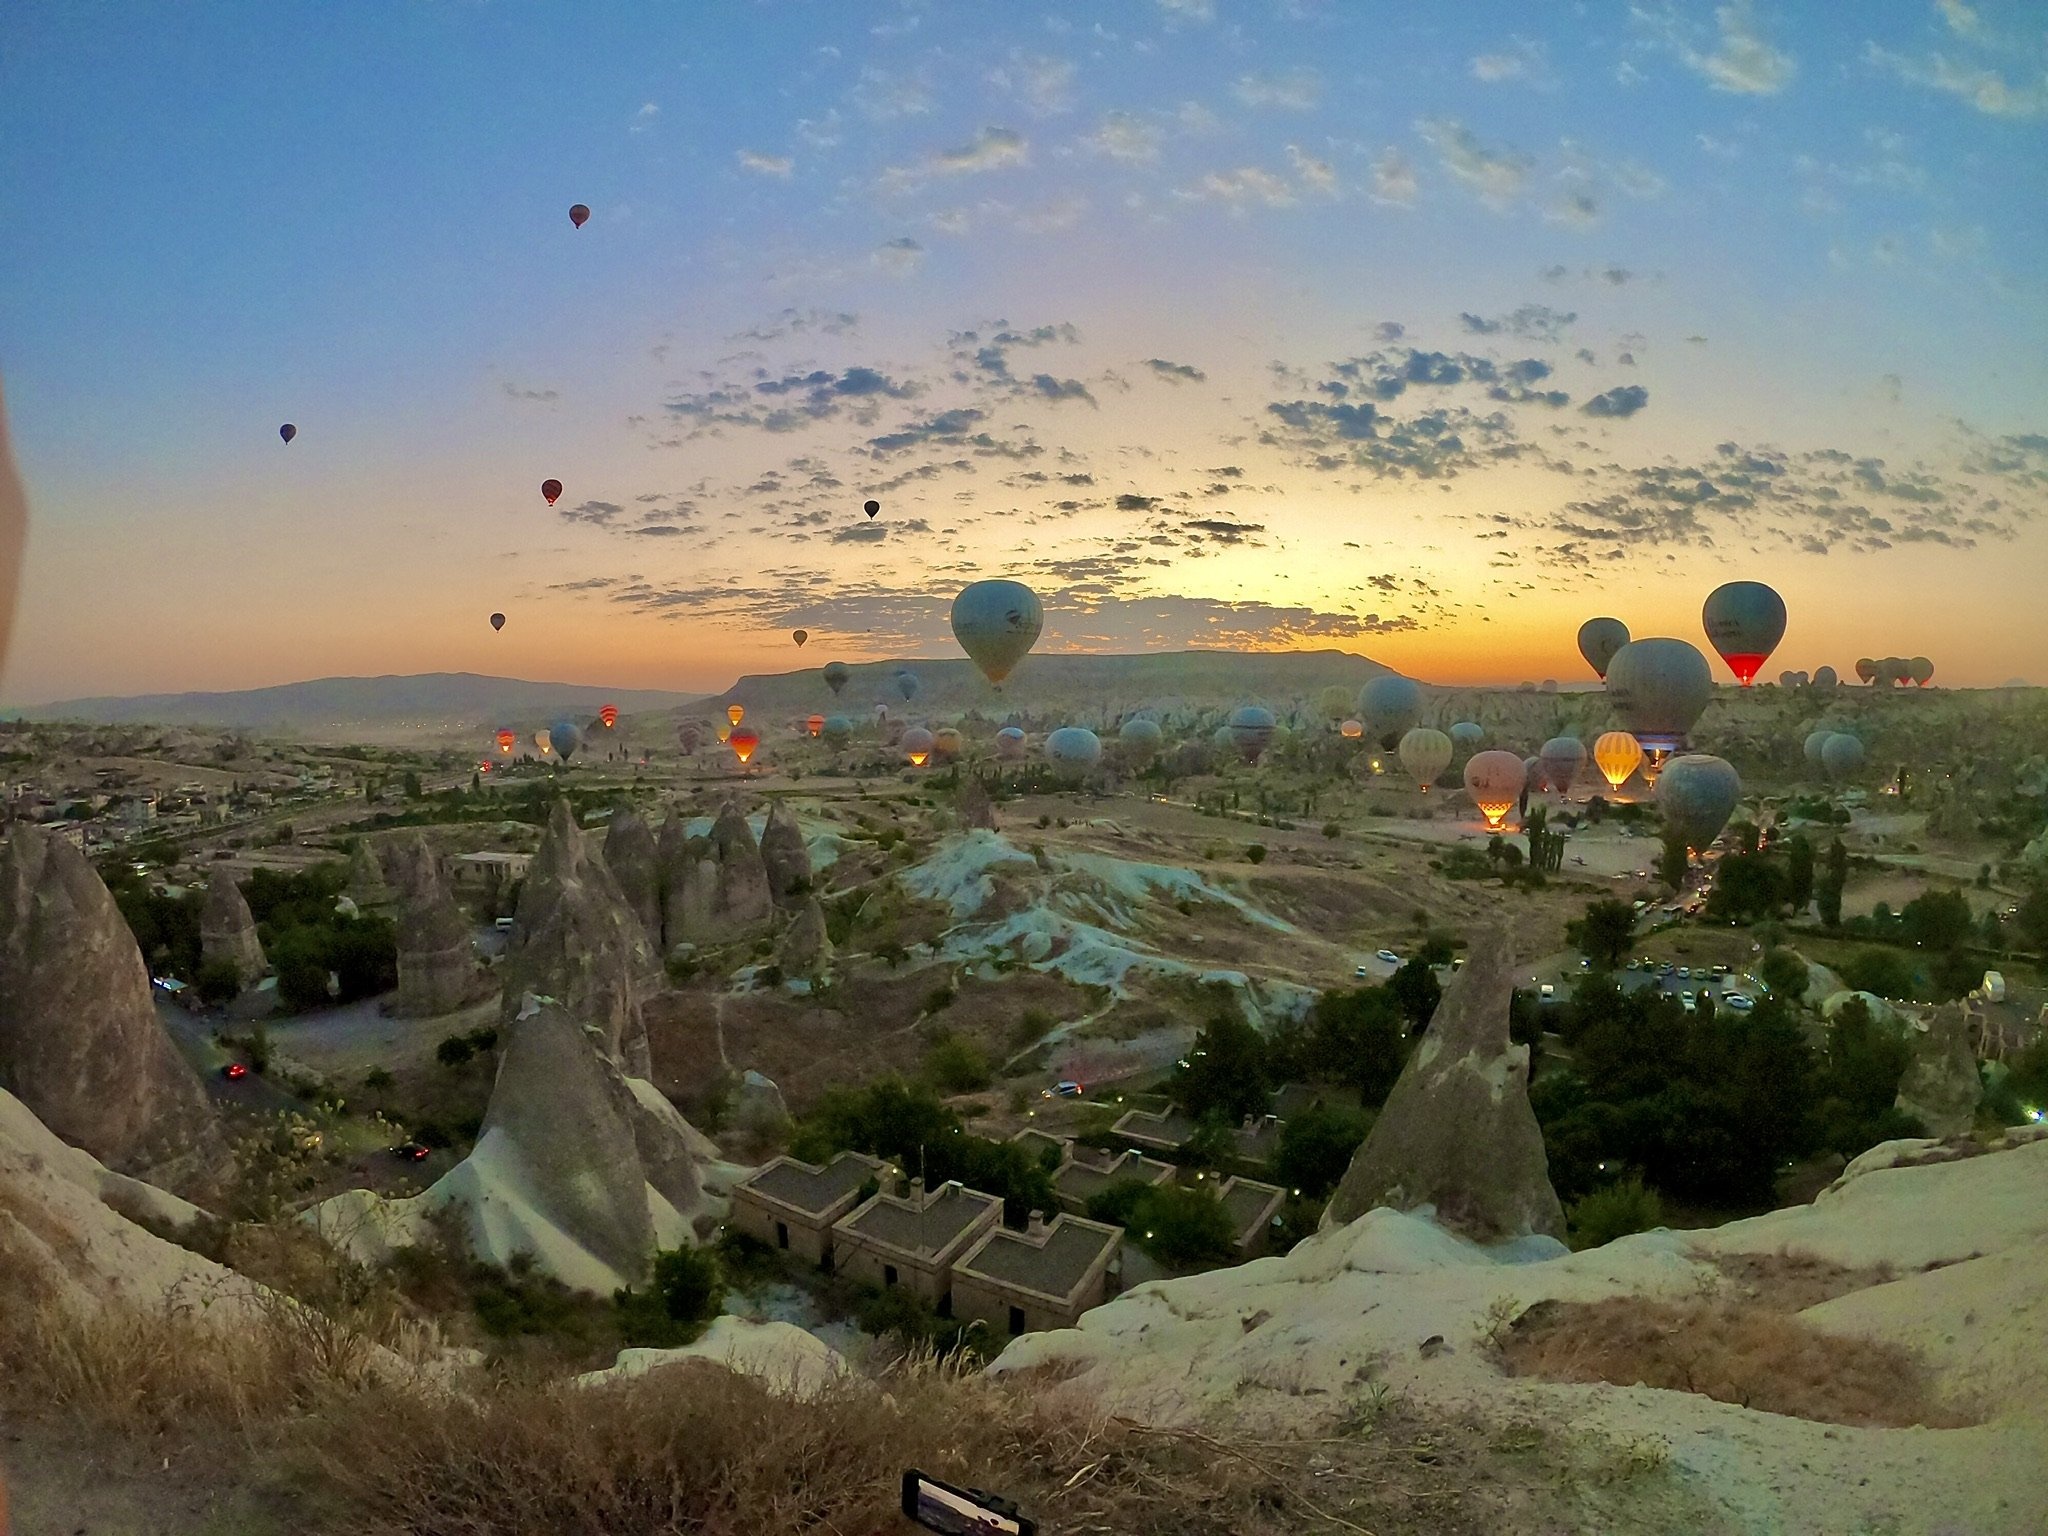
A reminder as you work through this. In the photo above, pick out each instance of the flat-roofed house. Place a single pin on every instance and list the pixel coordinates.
(1255, 1140)
(1081, 1177)
(792, 1205)
(1044, 1277)
(490, 868)
(1251, 1206)
(1037, 1143)
(913, 1240)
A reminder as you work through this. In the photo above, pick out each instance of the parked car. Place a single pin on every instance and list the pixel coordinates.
(1065, 1088)
(1388, 956)
(411, 1152)
(1361, 973)
(1739, 1003)
(235, 1071)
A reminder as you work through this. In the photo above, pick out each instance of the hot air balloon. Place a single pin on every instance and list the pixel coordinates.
(838, 731)
(835, 675)
(735, 713)
(1141, 739)
(1841, 754)
(609, 714)
(1351, 730)
(578, 212)
(1810, 748)
(1074, 746)
(1466, 736)
(497, 621)
(946, 743)
(1866, 670)
(287, 431)
(1425, 753)
(505, 742)
(996, 623)
(1495, 781)
(1921, 670)
(1659, 687)
(1617, 755)
(906, 684)
(724, 732)
(1251, 731)
(1562, 758)
(1697, 794)
(1532, 774)
(1825, 680)
(542, 744)
(1389, 705)
(799, 636)
(551, 491)
(1599, 639)
(1334, 701)
(1010, 741)
(871, 507)
(744, 741)
(814, 726)
(566, 738)
(1744, 621)
(918, 744)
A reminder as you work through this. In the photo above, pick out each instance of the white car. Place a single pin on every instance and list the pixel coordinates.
(1739, 1003)
(1361, 973)
(1389, 956)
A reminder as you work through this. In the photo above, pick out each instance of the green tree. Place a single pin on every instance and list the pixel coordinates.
(413, 791)
(1827, 893)
(1415, 991)
(1673, 860)
(1316, 1146)
(1938, 920)
(1785, 974)
(1181, 1225)
(1225, 1071)
(219, 982)
(1747, 886)
(957, 1065)
(2032, 918)
(1603, 935)
(1798, 872)
(1885, 972)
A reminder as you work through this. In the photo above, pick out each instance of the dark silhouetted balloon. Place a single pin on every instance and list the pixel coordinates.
(800, 636)
(1074, 746)
(1841, 754)
(1697, 794)
(1141, 738)
(1466, 735)
(836, 675)
(1599, 639)
(287, 431)
(1744, 621)
(565, 738)
(996, 623)
(871, 508)
(1251, 731)
(1010, 741)
(1390, 705)
(838, 731)
(1562, 758)
(907, 684)
(578, 213)
(1921, 670)
(551, 490)
(1659, 687)
(497, 621)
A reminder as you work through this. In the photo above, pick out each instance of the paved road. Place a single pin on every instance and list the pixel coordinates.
(193, 1035)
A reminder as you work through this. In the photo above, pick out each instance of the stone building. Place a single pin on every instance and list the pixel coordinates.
(1251, 1206)
(1043, 1277)
(914, 1240)
(1087, 1172)
(791, 1205)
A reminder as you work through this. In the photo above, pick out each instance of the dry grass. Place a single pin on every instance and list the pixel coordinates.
(1784, 1281)
(1730, 1351)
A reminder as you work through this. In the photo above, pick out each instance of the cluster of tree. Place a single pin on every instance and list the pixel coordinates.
(1709, 1106)
(909, 1124)
(1180, 1225)
(308, 941)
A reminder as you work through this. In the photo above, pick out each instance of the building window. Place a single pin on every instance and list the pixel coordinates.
(1016, 1321)
(888, 1274)
(782, 1234)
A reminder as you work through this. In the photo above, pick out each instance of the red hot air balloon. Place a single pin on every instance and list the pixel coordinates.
(287, 431)
(551, 491)
(871, 508)
(609, 715)
(1744, 621)
(578, 214)
(505, 741)
(497, 621)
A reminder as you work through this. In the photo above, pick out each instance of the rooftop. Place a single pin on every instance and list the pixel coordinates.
(809, 1187)
(1080, 1180)
(1053, 1262)
(927, 1228)
(1250, 1205)
(1034, 1141)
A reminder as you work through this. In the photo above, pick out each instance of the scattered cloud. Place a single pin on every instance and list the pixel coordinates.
(1739, 59)
(1494, 176)
(989, 150)
(899, 257)
(1521, 60)
(1532, 322)
(1393, 178)
(1981, 86)
(1622, 400)
(1242, 188)
(1315, 175)
(1124, 137)
(883, 96)
(1175, 373)
(765, 165)
(1043, 83)
(1198, 11)
(536, 396)
(1295, 89)
(644, 118)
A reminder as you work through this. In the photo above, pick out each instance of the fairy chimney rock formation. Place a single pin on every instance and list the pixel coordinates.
(437, 969)
(367, 886)
(635, 862)
(805, 949)
(1457, 1132)
(227, 930)
(785, 857)
(80, 1041)
(1940, 1087)
(977, 811)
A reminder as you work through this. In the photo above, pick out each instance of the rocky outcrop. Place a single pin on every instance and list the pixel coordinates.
(408, 861)
(630, 854)
(1457, 1132)
(806, 950)
(977, 811)
(757, 1112)
(1941, 1086)
(578, 942)
(786, 859)
(227, 930)
(80, 1041)
(715, 889)
(437, 969)
(367, 886)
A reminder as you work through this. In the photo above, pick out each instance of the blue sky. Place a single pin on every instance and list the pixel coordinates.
(1470, 302)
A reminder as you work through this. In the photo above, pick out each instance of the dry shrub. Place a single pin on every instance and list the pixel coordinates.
(1785, 1281)
(1728, 1351)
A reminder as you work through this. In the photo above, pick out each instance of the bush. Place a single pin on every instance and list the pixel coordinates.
(1181, 1225)
(454, 1051)
(955, 1065)
(687, 1292)
(1316, 1146)
(1256, 853)
(1615, 1211)
(939, 999)
(219, 982)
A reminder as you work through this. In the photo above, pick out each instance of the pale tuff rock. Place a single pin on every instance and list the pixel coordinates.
(714, 889)
(785, 858)
(80, 1042)
(977, 811)
(805, 949)
(367, 886)
(1457, 1132)
(227, 930)
(407, 861)
(757, 1111)
(437, 969)
(743, 898)
(1941, 1087)
(577, 941)
(630, 854)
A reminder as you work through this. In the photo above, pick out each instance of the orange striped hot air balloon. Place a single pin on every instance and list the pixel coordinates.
(814, 726)
(505, 741)
(609, 715)
(735, 713)
(743, 741)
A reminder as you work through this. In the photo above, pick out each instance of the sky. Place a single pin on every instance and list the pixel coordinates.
(1420, 332)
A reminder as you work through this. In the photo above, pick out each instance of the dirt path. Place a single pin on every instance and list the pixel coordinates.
(68, 1482)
